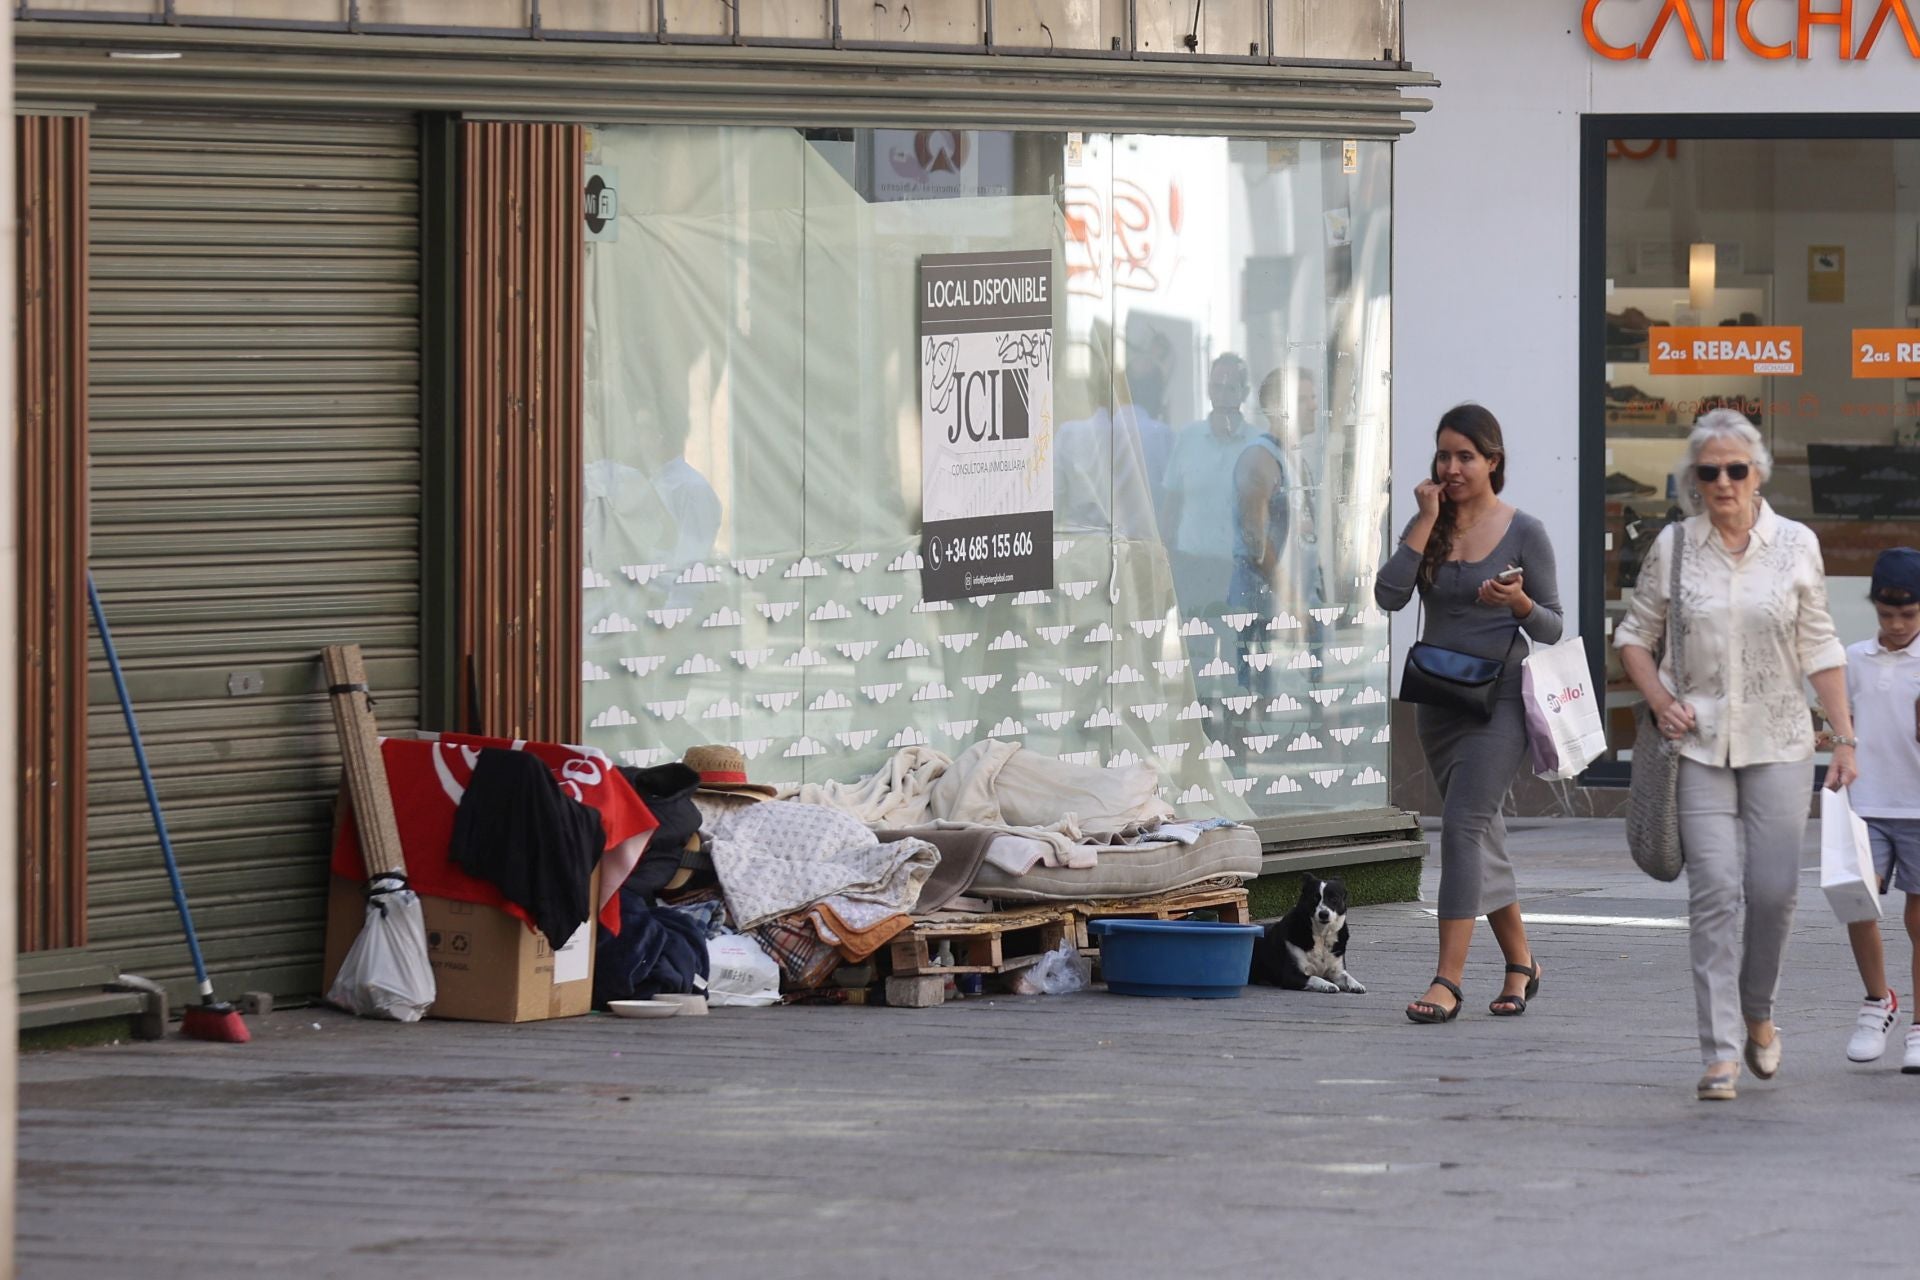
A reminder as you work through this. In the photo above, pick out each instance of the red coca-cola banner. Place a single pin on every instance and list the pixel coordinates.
(428, 779)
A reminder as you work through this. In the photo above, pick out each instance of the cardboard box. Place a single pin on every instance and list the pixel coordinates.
(487, 966)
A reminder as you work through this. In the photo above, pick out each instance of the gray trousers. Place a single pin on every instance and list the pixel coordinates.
(1473, 763)
(1742, 830)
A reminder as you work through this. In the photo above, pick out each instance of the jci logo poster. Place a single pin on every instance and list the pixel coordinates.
(986, 422)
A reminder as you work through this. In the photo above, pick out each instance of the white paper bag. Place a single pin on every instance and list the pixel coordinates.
(1846, 861)
(740, 972)
(1563, 715)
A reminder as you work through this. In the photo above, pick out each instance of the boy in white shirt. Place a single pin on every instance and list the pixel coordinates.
(1883, 687)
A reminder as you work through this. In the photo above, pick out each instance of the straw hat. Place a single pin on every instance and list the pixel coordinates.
(723, 769)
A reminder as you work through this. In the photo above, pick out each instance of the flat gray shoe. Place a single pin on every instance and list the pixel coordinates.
(1719, 1085)
(1764, 1058)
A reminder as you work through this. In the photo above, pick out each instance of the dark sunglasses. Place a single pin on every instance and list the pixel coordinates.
(1736, 472)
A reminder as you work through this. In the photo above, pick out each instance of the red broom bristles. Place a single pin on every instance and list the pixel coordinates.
(219, 1022)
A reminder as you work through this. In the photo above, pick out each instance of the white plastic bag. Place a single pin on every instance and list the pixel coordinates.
(1057, 973)
(386, 973)
(1563, 715)
(1846, 861)
(740, 972)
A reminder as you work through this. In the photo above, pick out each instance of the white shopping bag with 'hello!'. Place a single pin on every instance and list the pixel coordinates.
(1563, 716)
(1846, 861)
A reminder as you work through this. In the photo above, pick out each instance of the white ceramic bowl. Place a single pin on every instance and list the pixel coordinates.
(643, 1008)
(691, 1006)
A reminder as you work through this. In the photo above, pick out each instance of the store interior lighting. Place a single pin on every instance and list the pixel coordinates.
(1700, 277)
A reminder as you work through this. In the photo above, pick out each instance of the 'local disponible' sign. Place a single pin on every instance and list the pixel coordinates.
(986, 423)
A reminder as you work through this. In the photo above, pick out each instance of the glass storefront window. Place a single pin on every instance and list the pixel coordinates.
(1816, 240)
(753, 425)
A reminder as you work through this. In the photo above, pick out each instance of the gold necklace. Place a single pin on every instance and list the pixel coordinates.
(1469, 528)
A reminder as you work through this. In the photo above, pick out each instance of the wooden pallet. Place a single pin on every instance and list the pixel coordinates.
(1229, 900)
(998, 943)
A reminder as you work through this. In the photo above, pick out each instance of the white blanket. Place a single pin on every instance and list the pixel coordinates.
(997, 784)
(894, 797)
(776, 858)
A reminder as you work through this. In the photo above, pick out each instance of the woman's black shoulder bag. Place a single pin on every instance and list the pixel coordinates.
(1448, 678)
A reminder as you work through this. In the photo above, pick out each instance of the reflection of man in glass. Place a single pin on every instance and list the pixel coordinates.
(1100, 470)
(1262, 515)
(1201, 497)
(1276, 528)
(1294, 420)
(1149, 374)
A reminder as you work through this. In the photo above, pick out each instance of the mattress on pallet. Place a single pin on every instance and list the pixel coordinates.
(1130, 871)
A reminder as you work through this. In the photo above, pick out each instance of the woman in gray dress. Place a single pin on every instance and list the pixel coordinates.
(1454, 555)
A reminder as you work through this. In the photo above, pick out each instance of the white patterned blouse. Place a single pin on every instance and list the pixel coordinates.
(1756, 626)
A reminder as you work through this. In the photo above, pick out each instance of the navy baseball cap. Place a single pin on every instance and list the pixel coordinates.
(1896, 573)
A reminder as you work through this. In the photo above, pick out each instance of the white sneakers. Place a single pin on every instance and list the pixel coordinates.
(1870, 1029)
(1869, 1039)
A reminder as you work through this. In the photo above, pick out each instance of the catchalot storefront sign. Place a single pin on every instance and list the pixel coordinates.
(1769, 29)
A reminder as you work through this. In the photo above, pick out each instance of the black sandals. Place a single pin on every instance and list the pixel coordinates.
(1428, 1011)
(1506, 1006)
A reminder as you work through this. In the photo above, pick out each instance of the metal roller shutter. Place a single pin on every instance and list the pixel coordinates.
(256, 490)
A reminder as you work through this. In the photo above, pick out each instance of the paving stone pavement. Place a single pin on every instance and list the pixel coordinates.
(1089, 1134)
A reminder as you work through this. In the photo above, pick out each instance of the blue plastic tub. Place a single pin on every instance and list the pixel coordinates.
(1191, 958)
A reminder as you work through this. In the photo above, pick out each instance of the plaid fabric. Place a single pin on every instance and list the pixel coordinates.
(805, 961)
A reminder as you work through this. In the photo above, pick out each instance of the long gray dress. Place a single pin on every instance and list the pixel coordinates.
(1474, 761)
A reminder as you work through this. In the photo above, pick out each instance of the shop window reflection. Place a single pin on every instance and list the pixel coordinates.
(754, 462)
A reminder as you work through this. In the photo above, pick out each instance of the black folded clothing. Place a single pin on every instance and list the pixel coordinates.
(517, 830)
(668, 790)
(658, 950)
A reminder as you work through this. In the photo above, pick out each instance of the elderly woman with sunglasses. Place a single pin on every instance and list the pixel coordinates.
(1752, 609)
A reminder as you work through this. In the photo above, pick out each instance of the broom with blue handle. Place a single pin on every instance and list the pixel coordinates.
(210, 1019)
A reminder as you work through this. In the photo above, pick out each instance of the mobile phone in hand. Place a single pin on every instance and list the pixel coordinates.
(1509, 574)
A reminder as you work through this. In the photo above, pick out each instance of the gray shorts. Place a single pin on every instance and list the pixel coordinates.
(1896, 852)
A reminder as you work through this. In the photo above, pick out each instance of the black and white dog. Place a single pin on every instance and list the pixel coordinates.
(1306, 949)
